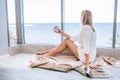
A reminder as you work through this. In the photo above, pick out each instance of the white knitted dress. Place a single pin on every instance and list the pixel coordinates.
(87, 43)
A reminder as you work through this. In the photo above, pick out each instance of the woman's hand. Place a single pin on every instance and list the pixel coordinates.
(59, 31)
(94, 66)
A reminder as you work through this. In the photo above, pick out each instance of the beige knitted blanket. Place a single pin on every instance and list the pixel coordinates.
(66, 63)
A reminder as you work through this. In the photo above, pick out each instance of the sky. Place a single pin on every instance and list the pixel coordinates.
(44, 11)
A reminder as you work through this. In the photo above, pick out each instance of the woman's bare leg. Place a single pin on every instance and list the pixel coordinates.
(65, 44)
(47, 51)
(43, 52)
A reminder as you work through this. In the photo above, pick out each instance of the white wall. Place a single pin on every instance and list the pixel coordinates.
(3, 27)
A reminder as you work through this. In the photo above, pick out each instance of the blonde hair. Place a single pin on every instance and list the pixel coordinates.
(86, 18)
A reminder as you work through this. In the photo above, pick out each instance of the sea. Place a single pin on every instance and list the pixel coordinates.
(42, 33)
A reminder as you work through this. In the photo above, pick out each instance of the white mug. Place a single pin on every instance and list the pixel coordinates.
(56, 28)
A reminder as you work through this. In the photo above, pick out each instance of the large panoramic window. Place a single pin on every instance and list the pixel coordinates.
(103, 12)
(118, 26)
(40, 16)
(12, 22)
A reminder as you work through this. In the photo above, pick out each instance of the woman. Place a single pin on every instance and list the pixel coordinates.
(86, 52)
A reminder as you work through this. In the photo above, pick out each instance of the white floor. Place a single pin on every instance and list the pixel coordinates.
(17, 68)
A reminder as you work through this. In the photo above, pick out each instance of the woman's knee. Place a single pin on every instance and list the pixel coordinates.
(67, 40)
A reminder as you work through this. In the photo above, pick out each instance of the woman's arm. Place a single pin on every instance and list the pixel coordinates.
(63, 33)
(87, 56)
(72, 38)
(87, 63)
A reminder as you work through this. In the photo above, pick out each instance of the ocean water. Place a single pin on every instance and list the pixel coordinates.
(43, 32)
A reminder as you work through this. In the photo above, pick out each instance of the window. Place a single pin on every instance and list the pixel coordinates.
(40, 16)
(103, 12)
(12, 22)
(118, 26)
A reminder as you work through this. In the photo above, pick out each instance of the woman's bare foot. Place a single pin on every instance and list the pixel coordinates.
(43, 52)
(48, 54)
(40, 53)
(95, 66)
